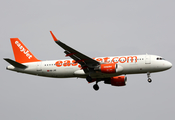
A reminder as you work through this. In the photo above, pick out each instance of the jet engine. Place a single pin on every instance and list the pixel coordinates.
(117, 81)
(109, 68)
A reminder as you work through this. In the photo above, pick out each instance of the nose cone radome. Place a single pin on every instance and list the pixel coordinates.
(168, 65)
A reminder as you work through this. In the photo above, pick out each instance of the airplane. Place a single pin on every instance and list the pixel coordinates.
(111, 70)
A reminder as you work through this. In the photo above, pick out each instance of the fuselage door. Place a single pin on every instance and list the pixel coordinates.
(39, 66)
(148, 59)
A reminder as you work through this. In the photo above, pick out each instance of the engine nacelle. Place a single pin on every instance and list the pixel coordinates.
(110, 68)
(117, 81)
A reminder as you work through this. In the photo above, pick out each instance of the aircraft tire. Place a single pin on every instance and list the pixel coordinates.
(96, 87)
(149, 80)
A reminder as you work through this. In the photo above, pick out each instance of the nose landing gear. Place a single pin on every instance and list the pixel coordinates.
(149, 79)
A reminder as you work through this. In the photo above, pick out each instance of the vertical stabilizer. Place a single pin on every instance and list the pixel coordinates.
(21, 52)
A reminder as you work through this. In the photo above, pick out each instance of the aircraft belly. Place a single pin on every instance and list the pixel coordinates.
(65, 72)
(140, 68)
(59, 72)
(130, 68)
(137, 68)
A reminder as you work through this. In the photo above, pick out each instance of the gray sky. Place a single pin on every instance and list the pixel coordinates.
(96, 28)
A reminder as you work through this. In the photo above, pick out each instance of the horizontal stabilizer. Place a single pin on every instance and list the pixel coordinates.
(15, 64)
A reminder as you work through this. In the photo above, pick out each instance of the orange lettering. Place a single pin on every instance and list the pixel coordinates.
(123, 60)
(58, 63)
(66, 63)
(99, 59)
(79, 66)
(105, 59)
(114, 61)
(74, 63)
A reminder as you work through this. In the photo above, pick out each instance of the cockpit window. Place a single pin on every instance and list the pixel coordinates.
(160, 58)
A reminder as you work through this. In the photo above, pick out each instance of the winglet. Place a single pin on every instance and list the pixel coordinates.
(54, 38)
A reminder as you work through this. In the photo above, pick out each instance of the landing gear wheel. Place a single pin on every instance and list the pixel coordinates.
(96, 87)
(149, 80)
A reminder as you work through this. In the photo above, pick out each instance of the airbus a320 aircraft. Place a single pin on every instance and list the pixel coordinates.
(111, 70)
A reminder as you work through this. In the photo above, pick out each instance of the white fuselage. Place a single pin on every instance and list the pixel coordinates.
(133, 64)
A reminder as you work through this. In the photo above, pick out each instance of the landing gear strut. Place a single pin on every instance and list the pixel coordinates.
(149, 79)
(89, 79)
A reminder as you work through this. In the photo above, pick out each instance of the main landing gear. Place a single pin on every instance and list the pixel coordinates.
(96, 87)
(89, 79)
(149, 79)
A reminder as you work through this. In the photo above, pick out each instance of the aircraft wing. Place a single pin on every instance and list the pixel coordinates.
(86, 62)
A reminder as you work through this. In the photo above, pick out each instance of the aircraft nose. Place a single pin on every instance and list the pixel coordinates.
(168, 65)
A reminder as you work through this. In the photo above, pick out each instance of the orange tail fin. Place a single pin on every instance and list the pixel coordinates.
(21, 53)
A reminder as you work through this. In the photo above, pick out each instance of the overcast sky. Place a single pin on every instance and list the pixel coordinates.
(95, 28)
